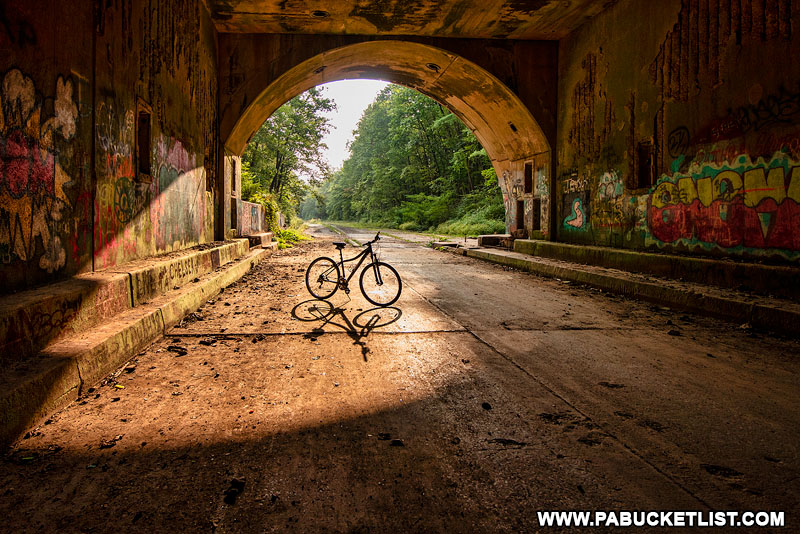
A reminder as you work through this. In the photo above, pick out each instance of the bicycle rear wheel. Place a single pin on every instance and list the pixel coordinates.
(380, 284)
(322, 278)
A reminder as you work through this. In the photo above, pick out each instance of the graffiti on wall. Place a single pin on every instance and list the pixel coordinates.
(542, 190)
(572, 182)
(608, 210)
(739, 204)
(34, 203)
(179, 206)
(116, 201)
(576, 210)
(136, 218)
(251, 218)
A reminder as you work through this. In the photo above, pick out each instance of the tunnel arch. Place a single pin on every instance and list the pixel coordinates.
(500, 121)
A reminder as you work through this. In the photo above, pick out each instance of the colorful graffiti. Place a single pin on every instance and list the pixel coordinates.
(179, 206)
(577, 212)
(740, 204)
(116, 201)
(542, 189)
(608, 210)
(34, 203)
(136, 218)
(251, 218)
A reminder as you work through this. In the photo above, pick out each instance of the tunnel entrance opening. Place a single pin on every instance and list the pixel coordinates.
(480, 100)
(386, 155)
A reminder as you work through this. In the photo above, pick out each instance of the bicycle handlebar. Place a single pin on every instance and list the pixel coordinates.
(377, 237)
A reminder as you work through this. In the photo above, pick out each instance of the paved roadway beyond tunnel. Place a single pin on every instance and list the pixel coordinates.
(483, 396)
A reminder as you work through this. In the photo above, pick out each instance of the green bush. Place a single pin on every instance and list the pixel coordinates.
(411, 226)
(290, 237)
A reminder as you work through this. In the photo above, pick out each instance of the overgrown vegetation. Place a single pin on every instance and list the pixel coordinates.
(413, 166)
(287, 145)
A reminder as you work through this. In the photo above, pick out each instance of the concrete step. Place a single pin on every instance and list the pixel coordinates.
(32, 319)
(36, 386)
(768, 313)
(779, 280)
(271, 247)
(257, 240)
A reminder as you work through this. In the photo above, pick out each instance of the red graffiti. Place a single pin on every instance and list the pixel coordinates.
(80, 240)
(730, 223)
(24, 168)
(105, 231)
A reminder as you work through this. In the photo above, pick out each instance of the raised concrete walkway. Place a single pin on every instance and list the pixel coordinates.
(706, 286)
(60, 339)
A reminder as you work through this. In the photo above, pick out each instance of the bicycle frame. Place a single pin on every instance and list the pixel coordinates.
(345, 281)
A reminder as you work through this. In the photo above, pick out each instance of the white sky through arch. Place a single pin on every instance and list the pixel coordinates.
(352, 97)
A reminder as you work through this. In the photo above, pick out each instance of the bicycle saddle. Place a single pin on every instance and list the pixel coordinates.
(339, 245)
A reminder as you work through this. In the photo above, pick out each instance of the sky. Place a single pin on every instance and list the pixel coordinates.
(352, 97)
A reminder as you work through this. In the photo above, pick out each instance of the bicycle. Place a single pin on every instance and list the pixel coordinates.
(379, 282)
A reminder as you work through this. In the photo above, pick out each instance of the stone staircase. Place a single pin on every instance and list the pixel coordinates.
(60, 339)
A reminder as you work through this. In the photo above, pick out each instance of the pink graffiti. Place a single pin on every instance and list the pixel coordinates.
(24, 168)
(176, 155)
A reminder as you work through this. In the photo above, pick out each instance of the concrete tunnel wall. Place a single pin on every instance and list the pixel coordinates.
(679, 129)
(257, 76)
(654, 125)
(75, 79)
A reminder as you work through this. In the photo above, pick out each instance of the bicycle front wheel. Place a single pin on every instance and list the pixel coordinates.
(322, 278)
(380, 284)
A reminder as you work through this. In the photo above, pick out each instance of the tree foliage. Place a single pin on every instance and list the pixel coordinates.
(289, 144)
(413, 165)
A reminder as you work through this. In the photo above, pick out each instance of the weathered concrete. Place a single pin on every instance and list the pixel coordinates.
(489, 19)
(427, 417)
(762, 312)
(492, 240)
(779, 280)
(108, 117)
(677, 132)
(504, 91)
(67, 367)
(260, 239)
(150, 279)
(31, 319)
(630, 124)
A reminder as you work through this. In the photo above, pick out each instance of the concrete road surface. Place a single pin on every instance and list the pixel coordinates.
(482, 397)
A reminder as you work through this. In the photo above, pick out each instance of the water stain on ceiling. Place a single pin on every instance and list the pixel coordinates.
(482, 19)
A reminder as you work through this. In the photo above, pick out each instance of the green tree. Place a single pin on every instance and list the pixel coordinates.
(413, 164)
(288, 144)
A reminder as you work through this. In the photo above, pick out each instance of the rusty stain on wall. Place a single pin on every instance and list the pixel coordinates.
(696, 45)
(588, 134)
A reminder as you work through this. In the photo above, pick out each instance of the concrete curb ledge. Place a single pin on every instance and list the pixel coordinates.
(767, 279)
(151, 280)
(733, 309)
(31, 320)
(65, 368)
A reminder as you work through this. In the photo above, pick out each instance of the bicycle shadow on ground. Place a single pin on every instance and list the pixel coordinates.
(357, 329)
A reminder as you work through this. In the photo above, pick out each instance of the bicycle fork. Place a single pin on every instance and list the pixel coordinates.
(378, 278)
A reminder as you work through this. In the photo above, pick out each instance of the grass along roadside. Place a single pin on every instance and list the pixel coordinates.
(435, 236)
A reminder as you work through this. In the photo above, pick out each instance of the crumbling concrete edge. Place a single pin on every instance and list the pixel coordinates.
(738, 310)
(78, 365)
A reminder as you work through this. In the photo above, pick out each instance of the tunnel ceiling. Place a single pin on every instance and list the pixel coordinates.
(486, 19)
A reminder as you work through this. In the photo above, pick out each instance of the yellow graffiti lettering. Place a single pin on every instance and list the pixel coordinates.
(665, 194)
(704, 191)
(759, 185)
(793, 191)
(727, 185)
(687, 190)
